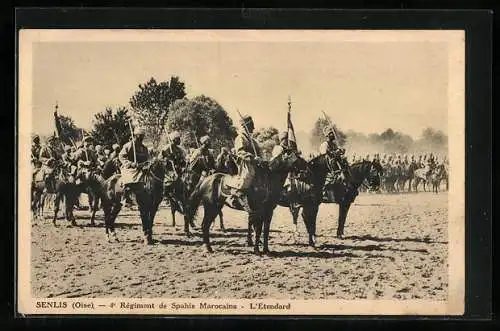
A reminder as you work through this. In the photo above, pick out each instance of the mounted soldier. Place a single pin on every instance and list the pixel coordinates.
(100, 157)
(175, 157)
(202, 162)
(48, 161)
(85, 156)
(286, 147)
(35, 152)
(132, 154)
(248, 155)
(68, 162)
(339, 167)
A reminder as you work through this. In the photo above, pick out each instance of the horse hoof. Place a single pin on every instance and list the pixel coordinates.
(256, 251)
(209, 249)
(266, 251)
(223, 230)
(340, 236)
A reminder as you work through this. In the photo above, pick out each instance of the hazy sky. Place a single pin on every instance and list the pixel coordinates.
(366, 87)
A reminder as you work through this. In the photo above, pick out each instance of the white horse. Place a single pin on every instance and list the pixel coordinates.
(421, 176)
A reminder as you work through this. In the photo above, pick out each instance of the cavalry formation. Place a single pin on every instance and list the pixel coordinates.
(239, 178)
(403, 173)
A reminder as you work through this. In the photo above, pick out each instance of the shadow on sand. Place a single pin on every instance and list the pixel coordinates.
(370, 248)
(425, 240)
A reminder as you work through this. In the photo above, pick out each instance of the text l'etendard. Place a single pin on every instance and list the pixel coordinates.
(176, 306)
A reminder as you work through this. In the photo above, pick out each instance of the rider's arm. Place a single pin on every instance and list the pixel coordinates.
(123, 156)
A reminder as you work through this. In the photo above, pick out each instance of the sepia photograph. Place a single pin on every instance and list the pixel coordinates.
(241, 172)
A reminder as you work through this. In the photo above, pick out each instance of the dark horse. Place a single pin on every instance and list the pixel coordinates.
(148, 192)
(179, 187)
(110, 168)
(57, 183)
(310, 191)
(263, 196)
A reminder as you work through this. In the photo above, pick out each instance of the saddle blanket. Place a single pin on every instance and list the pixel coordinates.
(131, 176)
(244, 178)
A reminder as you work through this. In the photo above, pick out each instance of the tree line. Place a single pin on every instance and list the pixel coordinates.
(161, 107)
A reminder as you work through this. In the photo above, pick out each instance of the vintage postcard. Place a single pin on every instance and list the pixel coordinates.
(241, 172)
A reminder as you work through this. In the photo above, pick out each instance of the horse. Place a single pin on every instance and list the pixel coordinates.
(390, 178)
(310, 194)
(421, 175)
(110, 168)
(263, 195)
(148, 191)
(436, 176)
(57, 183)
(409, 174)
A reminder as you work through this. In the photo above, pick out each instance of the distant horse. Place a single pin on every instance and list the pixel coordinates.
(148, 192)
(310, 194)
(263, 196)
(421, 175)
(408, 174)
(436, 176)
(390, 178)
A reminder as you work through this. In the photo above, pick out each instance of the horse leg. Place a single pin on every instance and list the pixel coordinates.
(210, 212)
(221, 221)
(309, 215)
(57, 201)
(145, 205)
(249, 232)
(267, 218)
(343, 210)
(35, 201)
(172, 211)
(69, 204)
(93, 209)
(257, 221)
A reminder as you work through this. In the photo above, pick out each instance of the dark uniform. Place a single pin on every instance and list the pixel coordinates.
(336, 158)
(175, 157)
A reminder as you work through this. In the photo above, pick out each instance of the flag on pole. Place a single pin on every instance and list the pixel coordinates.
(59, 133)
(292, 140)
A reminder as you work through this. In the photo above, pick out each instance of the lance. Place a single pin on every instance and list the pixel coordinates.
(248, 132)
(133, 140)
(85, 149)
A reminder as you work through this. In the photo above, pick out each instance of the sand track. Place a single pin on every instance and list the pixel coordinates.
(396, 246)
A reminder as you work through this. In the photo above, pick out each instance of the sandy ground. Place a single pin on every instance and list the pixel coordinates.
(396, 247)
